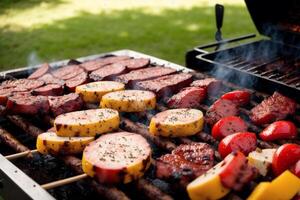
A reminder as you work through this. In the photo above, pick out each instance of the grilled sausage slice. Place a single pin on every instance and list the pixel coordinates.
(25, 103)
(177, 122)
(96, 64)
(80, 79)
(136, 63)
(67, 72)
(49, 90)
(117, 158)
(86, 123)
(129, 100)
(93, 92)
(64, 104)
(50, 143)
(220, 109)
(108, 72)
(42, 70)
(24, 84)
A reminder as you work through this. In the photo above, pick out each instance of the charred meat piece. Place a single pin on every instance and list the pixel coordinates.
(63, 104)
(67, 72)
(220, 109)
(25, 103)
(144, 74)
(166, 85)
(80, 79)
(189, 97)
(274, 108)
(186, 162)
(49, 90)
(136, 63)
(42, 70)
(211, 84)
(50, 79)
(108, 72)
(96, 64)
(22, 84)
(7, 92)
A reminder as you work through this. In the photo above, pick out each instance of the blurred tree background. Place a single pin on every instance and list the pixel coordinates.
(36, 31)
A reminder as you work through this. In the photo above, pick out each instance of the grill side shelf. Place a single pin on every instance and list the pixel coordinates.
(15, 184)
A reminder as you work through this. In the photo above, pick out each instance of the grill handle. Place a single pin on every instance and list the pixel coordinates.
(219, 10)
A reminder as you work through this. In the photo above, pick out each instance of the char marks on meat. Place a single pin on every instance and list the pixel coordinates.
(211, 84)
(80, 79)
(42, 70)
(188, 97)
(108, 72)
(50, 79)
(144, 74)
(25, 103)
(135, 63)
(220, 109)
(22, 84)
(64, 104)
(67, 72)
(166, 85)
(96, 64)
(276, 107)
(49, 90)
(186, 162)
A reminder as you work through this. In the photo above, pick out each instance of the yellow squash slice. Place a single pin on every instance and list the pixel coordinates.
(87, 123)
(284, 187)
(93, 92)
(117, 158)
(50, 143)
(177, 122)
(208, 185)
(129, 100)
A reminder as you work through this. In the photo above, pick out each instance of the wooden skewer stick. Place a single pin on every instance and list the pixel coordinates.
(20, 155)
(65, 181)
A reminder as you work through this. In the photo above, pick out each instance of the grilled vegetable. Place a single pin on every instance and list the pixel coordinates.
(49, 142)
(240, 97)
(208, 185)
(92, 92)
(227, 126)
(285, 156)
(243, 141)
(261, 159)
(87, 122)
(295, 169)
(117, 158)
(283, 187)
(129, 100)
(232, 173)
(177, 122)
(279, 130)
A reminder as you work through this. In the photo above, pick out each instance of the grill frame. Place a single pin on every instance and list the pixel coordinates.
(200, 138)
(23, 186)
(200, 59)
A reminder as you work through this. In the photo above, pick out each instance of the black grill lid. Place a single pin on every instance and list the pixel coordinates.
(278, 19)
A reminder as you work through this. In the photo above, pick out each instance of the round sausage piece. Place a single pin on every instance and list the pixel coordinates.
(42, 70)
(177, 123)
(117, 158)
(129, 100)
(87, 122)
(92, 92)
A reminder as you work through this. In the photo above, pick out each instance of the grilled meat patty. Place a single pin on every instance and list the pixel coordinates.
(276, 107)
(186, 162)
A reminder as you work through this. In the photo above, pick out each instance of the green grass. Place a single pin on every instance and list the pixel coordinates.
(34, 31)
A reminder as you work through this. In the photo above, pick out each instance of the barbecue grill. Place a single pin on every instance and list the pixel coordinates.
(25, 174)
(267, 64)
